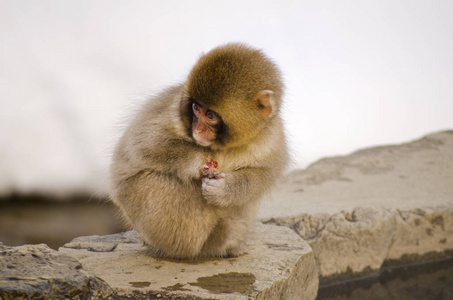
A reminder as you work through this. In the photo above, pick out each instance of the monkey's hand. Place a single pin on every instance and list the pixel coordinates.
(215, 190)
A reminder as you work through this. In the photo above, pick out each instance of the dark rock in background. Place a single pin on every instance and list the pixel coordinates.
(35, 219)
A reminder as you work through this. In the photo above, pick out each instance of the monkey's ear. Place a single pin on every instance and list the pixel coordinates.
(266, 103)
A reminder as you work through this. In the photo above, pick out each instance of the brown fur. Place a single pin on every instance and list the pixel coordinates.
(156, 171)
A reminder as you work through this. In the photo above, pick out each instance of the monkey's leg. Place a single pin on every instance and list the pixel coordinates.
(170, 215)
(229, 235)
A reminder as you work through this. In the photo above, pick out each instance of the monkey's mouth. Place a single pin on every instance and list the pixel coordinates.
(203, 141)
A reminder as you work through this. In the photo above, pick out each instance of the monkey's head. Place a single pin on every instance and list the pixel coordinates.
(231, 94)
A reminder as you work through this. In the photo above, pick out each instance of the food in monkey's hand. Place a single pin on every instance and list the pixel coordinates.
(210, 169)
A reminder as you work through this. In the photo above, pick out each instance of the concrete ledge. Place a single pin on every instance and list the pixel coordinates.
(391, 204)
(279, 265)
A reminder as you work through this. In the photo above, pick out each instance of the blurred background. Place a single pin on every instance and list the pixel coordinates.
(358, 74)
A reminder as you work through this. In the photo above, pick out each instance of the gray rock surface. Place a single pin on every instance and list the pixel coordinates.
(38, 272)
(278, 265)
(383, 205)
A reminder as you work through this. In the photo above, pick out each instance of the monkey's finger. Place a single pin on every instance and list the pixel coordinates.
(208, 182)
(213, 174)
(219, 175)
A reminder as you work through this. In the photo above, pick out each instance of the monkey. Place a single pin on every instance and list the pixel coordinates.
(190, 169)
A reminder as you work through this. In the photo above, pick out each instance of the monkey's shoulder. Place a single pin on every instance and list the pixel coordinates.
(259, 158)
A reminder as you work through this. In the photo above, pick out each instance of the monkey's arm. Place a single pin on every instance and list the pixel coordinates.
(178, 158)
(238, 187)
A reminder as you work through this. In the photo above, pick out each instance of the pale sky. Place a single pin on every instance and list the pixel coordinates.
(358, 74)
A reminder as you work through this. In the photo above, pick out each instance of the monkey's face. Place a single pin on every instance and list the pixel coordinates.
(235, 126)
(205, 125)
(236, 91)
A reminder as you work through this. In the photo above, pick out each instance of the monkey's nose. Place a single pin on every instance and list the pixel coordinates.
(198, 130)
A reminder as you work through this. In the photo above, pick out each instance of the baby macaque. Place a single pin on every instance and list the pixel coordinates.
(190, 169)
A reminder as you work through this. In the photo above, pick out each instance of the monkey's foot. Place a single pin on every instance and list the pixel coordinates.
(238, 251)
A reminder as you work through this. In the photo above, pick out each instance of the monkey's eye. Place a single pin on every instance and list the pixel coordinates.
(211, 115)
(196, 107)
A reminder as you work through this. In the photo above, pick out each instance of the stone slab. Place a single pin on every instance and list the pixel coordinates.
(38, 272)
(278, 265)
(372, 207)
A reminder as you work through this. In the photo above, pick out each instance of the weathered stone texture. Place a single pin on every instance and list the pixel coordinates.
(278, 265)
(380, 204)
(38, 272)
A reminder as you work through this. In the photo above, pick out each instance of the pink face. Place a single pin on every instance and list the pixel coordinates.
(204, 125)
